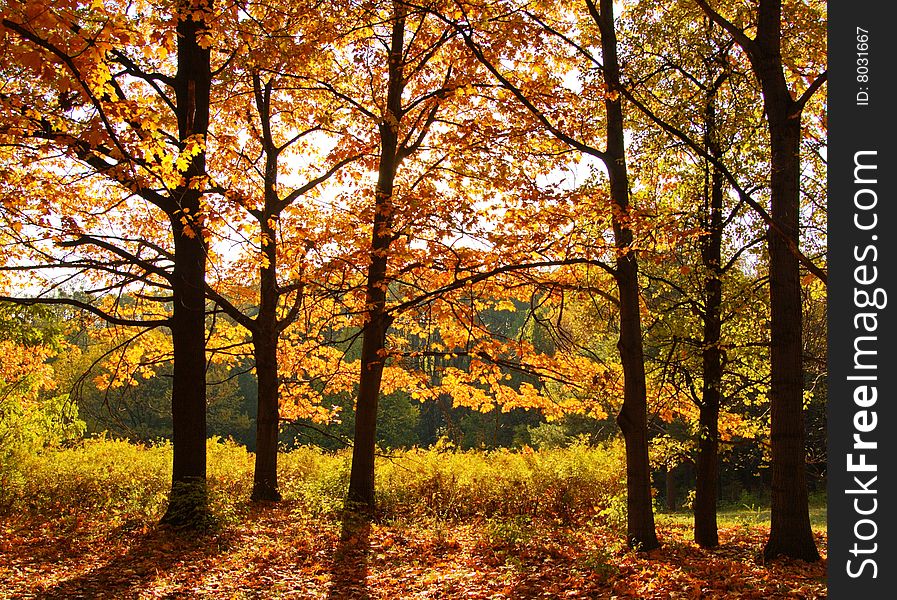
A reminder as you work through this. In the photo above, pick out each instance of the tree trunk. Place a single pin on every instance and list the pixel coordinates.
(707, 463)
(790, 532)
(707, 474)
(360, 496)
(267, 426)
(188, 502)
(633, 416)
(187, 505)
(265, 332)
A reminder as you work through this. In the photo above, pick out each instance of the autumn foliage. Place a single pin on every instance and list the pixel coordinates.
(428, 237)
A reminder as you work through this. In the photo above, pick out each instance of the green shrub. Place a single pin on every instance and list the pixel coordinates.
(549, 435)
(509, 533)
(28, 426)
(229, 476)
(562, 483)
(100, 476)
(122, 482)
(316, 480)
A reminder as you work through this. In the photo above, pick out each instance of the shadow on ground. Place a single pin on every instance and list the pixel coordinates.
(349, 570)
(150, 556)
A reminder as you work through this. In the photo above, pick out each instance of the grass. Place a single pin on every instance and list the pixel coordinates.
(753, 514)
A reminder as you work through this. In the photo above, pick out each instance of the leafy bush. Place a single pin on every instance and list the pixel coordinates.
(32, 415)
(549, 435)
(100, 476)
(510, 533)
(31, 423)
(27, 427)
(318, 481)
(126, 483)
(562, 483)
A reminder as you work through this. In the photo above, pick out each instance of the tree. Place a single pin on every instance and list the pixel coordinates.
(33, 411)
(790, 533)
(192, 87)
(394, 146)
(599, 21)
(798, 62)
(690, 79)
(402, 54)
(101, 111)
(438, 237)
(249, 179)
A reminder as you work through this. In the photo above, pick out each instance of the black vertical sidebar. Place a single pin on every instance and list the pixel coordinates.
(862, 260)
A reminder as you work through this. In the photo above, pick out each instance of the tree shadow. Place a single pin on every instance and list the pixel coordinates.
(350, 560)
(148, 557)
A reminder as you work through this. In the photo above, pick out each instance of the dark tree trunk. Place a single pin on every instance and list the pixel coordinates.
(188, 504)
(707, 463)
(633, 416)
(707, 474)
(360, 496)
(361, 478)
(790, 532)
(265, 330)
(267, 426)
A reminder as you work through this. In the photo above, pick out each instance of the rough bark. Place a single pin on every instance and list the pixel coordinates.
(707, 474)
(360, 496)
(265, 328)
(188, 504)
(790, 531)
(633, 416)
(707, 462)
(265, 485)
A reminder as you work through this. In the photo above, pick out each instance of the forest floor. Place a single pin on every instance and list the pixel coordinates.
(274, 551)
